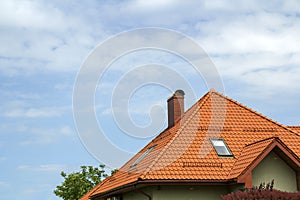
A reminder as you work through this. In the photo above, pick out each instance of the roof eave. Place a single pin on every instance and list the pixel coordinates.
(143, 183)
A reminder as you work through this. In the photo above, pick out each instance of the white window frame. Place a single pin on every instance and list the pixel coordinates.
(217, 143)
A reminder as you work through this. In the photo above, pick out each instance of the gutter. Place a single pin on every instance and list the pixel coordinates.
(142, 183)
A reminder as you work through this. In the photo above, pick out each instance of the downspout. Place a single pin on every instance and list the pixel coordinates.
(144, 193)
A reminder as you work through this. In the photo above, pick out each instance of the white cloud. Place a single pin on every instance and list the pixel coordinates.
(4, 184)
(2, 158)
(24, 106)
(255, 46)
(32, 113)
(41, 36)
(154, 4)
(281, 79)
(64, 41)
(40, 136)
(66, 130)
(63, 86)
(236, 65)
(257, 32)
(43, 168)
(24, 14)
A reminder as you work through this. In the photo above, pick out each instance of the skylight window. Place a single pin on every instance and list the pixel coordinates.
(143, 155)
(221, 147)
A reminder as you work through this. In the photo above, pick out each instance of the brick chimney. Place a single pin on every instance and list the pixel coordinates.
(175, 107)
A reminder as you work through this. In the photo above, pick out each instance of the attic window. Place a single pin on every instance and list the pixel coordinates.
(220, 147)
(139, 159)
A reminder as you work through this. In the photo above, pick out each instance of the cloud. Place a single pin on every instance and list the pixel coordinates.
(255, 47)
(155, 4)
(274, 80)
(18, 105)
(258, 32)
(43, 168)
(2, 158)
(42, 36)
(32, 113)
(59, 41)
(4, 184)
(24, 14)
(25, 133)
(40, 136)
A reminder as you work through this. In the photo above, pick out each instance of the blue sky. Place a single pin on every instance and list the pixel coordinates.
(254, 46)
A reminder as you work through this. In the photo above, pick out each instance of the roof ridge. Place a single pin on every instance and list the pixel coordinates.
(204, 98)
(265, 139)
(255, 112)
(291, 129)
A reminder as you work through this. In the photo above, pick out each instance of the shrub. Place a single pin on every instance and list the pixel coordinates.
(263, 192)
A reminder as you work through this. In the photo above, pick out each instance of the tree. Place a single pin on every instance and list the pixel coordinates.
(76, 184)
(113, 171)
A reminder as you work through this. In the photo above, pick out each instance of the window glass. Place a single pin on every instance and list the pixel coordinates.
(221, 147)
(143, 156)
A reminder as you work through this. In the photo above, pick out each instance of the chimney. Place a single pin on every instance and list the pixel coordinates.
(175, 107)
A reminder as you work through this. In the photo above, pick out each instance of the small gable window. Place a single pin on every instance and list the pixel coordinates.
(220, 147)
(139, 159)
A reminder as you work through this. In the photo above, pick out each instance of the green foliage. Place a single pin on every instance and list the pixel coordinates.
(76, 184)
(113, 171)
(263, 192)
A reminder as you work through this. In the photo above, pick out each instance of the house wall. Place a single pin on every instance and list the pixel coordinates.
(138, 194)
(134, 196)
(236, 187)
(273, 167)
(190, 192)
(179, 193)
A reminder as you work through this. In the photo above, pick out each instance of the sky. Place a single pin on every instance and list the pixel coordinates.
(44, 45)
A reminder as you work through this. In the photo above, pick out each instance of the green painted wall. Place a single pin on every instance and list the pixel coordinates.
(272, 167)
(135, 195)
(190, 192)
(236, 187)
(179, 193)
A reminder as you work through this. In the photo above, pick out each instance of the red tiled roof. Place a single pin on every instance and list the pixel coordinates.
(295, 128)
(184, 152)
(255, 151)
(248, 155)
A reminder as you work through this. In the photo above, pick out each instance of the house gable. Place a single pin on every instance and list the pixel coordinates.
(255, 153)
(273, 167)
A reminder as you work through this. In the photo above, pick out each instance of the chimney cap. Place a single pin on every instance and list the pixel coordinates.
(179, 92)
